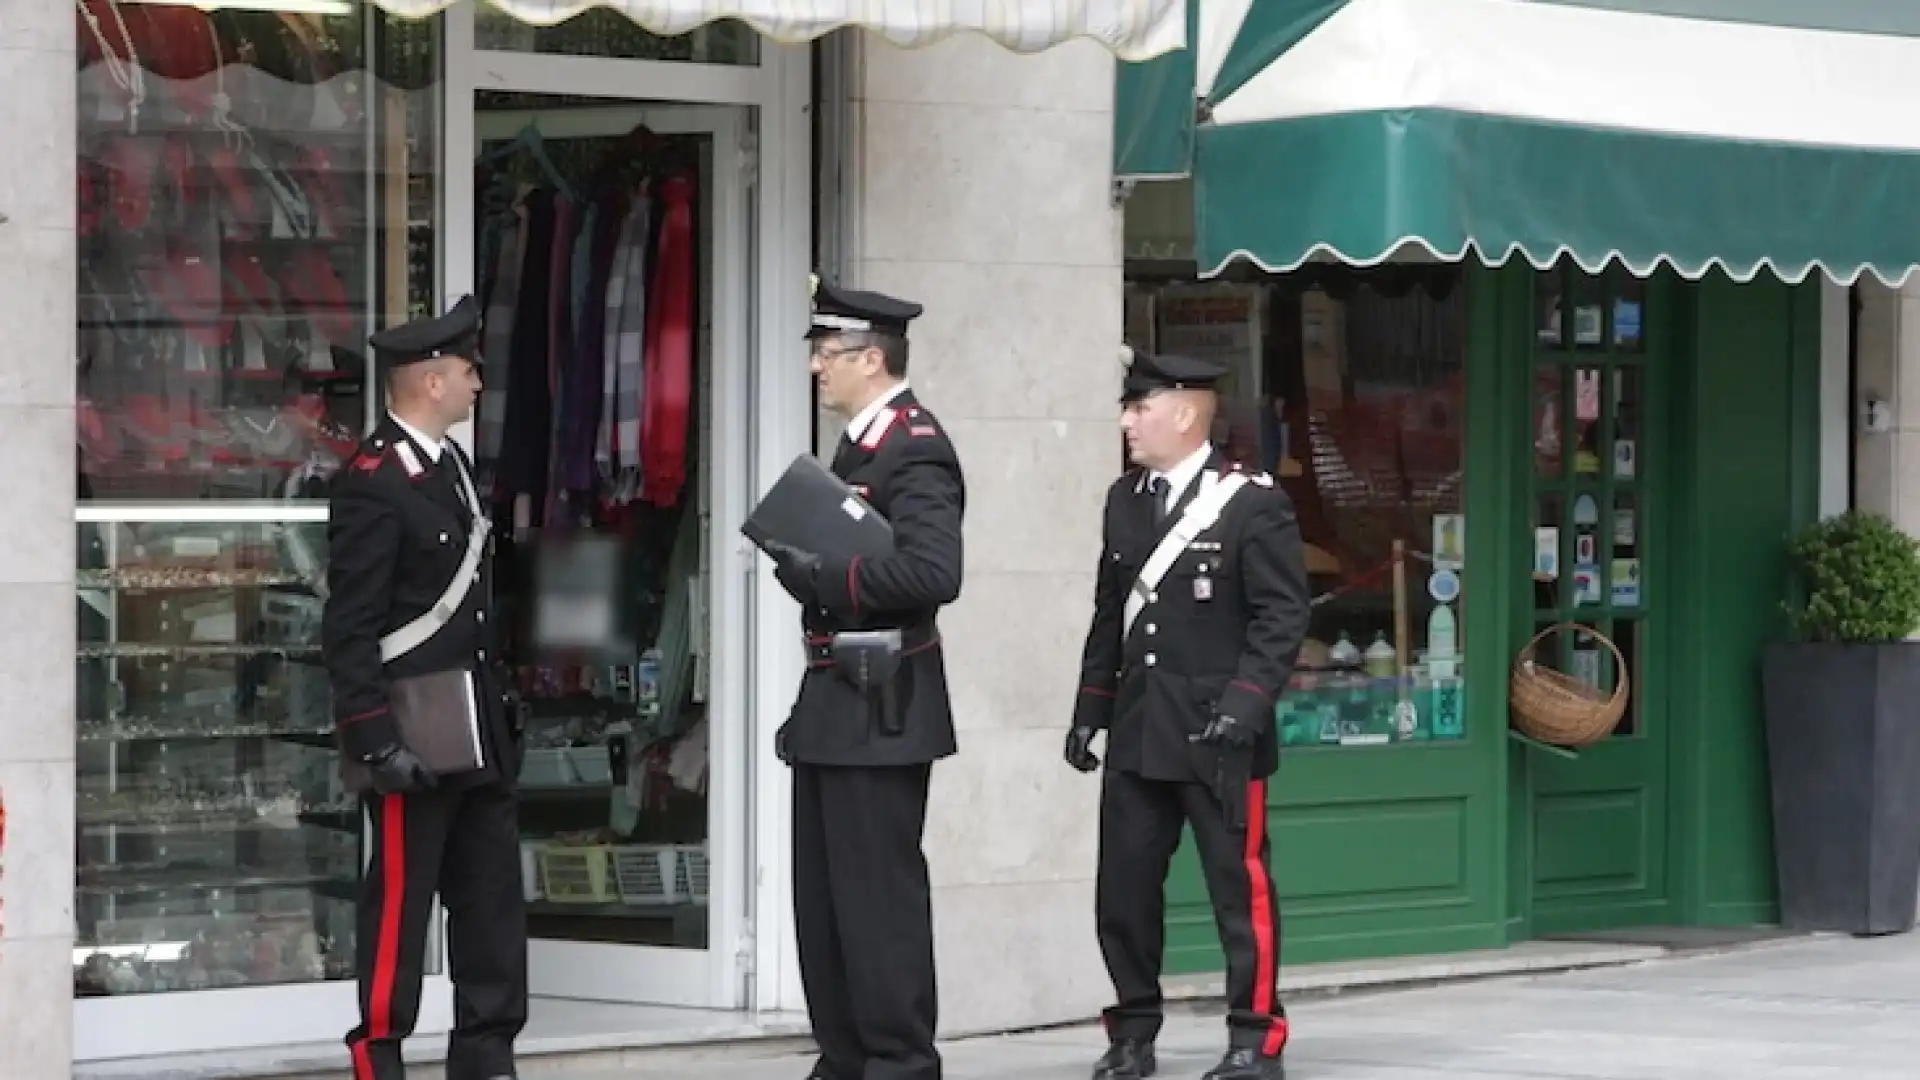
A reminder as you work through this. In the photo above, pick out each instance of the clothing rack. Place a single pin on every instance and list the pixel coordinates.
(586, 220)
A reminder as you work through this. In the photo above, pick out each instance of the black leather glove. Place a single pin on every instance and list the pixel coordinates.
(1080, 753)
(1226, 733)
(795, 569)
(782, 749)
(396, 771)
(1232, 741)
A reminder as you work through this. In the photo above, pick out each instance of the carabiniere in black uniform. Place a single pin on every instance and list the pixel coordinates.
(398, 533)
(1215, 638)
(862, 903)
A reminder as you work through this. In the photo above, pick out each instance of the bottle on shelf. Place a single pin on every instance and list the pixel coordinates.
(1380, 657)
(1344, 654)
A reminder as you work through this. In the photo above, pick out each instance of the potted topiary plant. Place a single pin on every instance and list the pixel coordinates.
(1843, 730)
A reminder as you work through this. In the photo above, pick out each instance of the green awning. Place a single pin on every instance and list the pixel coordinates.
(1740, 134)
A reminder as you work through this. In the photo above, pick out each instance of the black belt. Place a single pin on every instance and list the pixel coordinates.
(913, 639)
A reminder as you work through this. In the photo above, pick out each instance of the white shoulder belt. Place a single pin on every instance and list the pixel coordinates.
(1199, 516)
(418, 632)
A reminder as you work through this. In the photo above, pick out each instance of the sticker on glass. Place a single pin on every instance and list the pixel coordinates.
(1625, 581)
(1546, 553)
(1586, 585)
(1586, 394)
(1449, 541)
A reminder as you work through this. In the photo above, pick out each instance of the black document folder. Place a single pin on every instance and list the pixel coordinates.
(814, 510)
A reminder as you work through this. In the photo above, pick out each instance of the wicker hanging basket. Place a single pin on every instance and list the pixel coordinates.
(1557, 708)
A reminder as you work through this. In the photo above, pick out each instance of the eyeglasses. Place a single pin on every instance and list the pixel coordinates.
(825, 355)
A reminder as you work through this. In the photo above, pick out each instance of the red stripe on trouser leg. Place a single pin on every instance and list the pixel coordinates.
(1260, 914)
(1276, 1040)
(386, 957)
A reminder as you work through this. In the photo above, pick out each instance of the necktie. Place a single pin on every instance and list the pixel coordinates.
(455, 476)
(1160, 489)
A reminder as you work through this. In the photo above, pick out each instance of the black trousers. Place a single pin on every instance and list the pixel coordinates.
(863, 913)
(1140, 823)
(462, 845)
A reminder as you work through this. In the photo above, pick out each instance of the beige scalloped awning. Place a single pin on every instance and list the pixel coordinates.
(1131, 29)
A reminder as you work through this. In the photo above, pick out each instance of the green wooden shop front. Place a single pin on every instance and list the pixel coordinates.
(1625, 449)
(1663, 432)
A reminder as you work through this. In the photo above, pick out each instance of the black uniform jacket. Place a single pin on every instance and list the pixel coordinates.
(396, 535)
(906, 468)
(1219, 635)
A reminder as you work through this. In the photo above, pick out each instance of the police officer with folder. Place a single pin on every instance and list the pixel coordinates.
(424, 732)
(872, 714)
(1200, 606)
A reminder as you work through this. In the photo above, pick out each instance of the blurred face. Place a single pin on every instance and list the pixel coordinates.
(845, 372)
(1162, 428)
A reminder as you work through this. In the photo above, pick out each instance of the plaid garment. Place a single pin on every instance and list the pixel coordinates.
(496, 343)
(624, 372)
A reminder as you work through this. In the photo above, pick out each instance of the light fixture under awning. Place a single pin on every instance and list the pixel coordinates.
(1690, 133)
(1131, 29)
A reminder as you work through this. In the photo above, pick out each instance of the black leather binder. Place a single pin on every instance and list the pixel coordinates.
(814, 510)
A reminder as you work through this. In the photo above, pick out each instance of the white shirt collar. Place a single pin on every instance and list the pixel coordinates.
(431, 446)
(857, 428)
(1182, 474)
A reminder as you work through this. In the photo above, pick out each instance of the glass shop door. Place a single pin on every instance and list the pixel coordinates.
(611, 255)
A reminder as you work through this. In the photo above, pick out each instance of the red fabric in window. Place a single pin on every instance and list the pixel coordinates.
(669, 351)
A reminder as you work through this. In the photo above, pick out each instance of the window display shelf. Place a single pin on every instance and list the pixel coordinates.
(207, 778)
(184, 577)
(139, 729)
(146, 650)
(136, 810)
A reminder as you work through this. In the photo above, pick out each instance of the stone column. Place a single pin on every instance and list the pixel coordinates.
(982, 190)
(37, 305)
(1886, 468)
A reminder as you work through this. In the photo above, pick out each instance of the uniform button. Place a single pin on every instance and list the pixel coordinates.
(482, 654)
(481, 615)
(1152, 659)
(1152, 629)
(443, 538)
(1153, 598)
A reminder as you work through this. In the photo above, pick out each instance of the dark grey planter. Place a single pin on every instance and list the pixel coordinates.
(1843, 753)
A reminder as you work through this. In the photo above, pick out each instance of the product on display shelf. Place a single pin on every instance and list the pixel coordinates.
(225, 165)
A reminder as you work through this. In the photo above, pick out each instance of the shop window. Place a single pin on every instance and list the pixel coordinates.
(604, 32)
(1349, 387)
(256, 194)
(1593, 470)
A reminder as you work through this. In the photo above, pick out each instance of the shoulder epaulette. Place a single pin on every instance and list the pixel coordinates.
(920, 422)
(1256, 478)
(376, 451)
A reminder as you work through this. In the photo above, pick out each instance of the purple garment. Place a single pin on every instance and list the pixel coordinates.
(584, 395)
(566, 214)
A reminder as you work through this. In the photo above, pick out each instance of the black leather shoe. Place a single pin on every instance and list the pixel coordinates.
(1126, 1059)
(1242, 1063)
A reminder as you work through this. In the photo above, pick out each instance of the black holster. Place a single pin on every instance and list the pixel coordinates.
(869, 659)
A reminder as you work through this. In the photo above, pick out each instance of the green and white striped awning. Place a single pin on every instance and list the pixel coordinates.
(1132, 29)
(1740, 134)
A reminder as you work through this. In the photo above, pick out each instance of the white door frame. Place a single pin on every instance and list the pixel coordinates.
(601, 971)
(763, 417)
